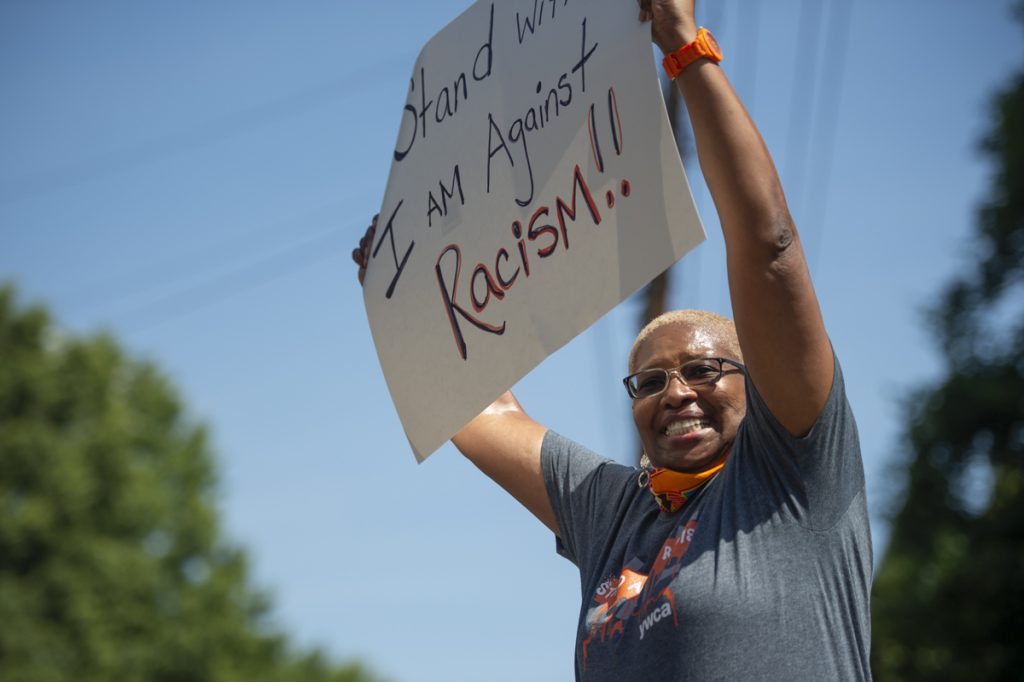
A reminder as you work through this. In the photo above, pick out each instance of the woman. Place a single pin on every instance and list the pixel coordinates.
(742, 550)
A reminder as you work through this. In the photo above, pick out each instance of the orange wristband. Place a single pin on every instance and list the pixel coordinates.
(703, 46)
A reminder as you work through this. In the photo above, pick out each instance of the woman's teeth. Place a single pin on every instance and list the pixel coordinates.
(685, 426)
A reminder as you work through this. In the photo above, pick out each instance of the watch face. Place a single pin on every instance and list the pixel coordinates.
(712, 44)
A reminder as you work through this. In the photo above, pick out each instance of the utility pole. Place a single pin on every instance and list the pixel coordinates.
(656, 293)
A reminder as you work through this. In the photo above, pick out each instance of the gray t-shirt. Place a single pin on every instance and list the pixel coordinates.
(763, 575)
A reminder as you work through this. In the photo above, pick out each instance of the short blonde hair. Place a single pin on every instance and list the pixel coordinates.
(720, 326)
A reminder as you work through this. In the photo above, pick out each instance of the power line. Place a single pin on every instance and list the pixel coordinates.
(715, 14)
(827, 123)
(803, 99)
(292, 259)
(174, 269)
(749, 32)
(178, 142)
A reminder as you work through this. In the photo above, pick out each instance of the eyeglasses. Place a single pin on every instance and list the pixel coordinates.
(702, 372)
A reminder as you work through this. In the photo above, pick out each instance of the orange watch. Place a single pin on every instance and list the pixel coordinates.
(704, 45)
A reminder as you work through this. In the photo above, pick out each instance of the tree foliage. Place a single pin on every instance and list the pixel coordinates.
(112, 565)
(948, 602)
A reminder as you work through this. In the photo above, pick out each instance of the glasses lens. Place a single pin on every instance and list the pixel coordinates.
(649, 382)
(701, 372)
(696, 373)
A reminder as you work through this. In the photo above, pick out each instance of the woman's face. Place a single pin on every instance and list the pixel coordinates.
(683, 428)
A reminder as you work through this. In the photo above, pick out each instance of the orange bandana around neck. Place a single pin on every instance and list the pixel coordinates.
(672, 489)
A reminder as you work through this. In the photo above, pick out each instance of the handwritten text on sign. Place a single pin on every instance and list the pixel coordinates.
(535, 185)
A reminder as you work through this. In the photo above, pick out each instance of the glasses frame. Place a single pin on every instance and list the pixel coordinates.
(677, 373)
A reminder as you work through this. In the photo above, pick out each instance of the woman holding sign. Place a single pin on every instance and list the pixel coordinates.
(741, 549)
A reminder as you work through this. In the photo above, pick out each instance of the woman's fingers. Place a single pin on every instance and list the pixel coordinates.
(361, 255)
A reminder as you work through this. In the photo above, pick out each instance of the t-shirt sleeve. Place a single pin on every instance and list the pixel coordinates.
(821, 473)
(585, 491)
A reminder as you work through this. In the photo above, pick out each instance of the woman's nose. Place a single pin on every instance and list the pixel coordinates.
(677, 390)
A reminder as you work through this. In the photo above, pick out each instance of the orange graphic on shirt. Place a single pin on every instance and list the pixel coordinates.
(631, 595)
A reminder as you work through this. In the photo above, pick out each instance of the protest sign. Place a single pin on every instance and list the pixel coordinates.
(535, 184)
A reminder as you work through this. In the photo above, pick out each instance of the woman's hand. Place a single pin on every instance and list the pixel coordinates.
(672, 22)
(778, 321)
(361, 255)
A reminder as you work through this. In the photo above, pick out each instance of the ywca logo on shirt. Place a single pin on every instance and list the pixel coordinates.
(633, 599)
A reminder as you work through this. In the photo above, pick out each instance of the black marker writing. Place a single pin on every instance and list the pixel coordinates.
(433, 206)
(446, 103)
(536, 117)
(399, 267)
(533, 20)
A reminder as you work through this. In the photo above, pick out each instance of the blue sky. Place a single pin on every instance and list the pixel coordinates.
(192, 177)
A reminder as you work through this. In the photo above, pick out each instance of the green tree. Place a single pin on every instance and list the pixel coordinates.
(948, 601)
(112, 565)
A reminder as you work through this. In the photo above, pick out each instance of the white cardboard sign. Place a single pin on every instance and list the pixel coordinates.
(535, 184)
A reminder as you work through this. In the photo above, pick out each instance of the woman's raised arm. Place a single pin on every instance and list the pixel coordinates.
(778, 321)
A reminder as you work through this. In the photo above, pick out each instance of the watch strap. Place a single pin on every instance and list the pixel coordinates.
(703, 46)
